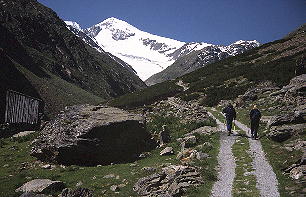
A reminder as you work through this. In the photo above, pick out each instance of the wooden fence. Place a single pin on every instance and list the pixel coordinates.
(21, 108)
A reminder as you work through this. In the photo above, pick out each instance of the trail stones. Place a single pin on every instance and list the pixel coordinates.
(171, 181)
(167, 151)
(41, 185)
(91, 135)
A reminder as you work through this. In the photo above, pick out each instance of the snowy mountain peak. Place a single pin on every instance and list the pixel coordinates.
(145, 52)
(75, 25)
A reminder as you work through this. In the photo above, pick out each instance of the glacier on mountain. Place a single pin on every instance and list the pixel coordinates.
(148, 54)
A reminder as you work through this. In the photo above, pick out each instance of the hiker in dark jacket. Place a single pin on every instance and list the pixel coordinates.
(230, 115)
(255, 116)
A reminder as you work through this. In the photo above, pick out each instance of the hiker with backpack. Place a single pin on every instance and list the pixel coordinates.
(230, 115)
(255, 116)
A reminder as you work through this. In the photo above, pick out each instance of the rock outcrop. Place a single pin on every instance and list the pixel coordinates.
(171, 181)
(284, 132)
(41, 186)
(91, 135)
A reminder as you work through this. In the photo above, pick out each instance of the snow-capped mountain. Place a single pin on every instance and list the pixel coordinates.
(148, 54)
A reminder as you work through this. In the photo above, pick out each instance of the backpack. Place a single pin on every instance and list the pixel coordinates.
(256, 115)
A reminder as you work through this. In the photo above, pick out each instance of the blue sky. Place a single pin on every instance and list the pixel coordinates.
(211, 21)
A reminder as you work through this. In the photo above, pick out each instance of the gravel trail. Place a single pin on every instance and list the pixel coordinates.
(226, 164)
(266, 181)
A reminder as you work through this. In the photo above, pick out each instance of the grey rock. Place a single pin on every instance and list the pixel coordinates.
(41, 185)
(284, 132)
(109, 176)
(31, 194)
(171, 181)
(188, 141)
(288, 118)
(167, 151)
(91, 135)
(206, 130)
(114, 188)
(201, 155)
(23, 133)
(298, 172)
(47, 166)
(79, 192)
(149, 169)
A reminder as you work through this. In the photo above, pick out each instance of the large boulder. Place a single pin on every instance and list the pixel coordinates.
(92, 135)
(294, 92)
(41, 186)
(295, 117)
(284, 132)
(171, 181)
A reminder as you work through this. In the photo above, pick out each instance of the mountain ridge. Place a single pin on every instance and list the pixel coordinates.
(147, 53)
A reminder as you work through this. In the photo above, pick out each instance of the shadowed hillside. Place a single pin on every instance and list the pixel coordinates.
(60, 66)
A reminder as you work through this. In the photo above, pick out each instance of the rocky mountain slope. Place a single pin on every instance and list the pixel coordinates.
(196, 59)
(147, 53)
(36, 44)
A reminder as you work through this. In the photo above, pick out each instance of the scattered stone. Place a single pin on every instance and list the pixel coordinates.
(79, 184)
(188, 141)
(47, 166)
(167, 151)
(79, 192)
(149, 169)
(297, 173)
(206, 130)
(114, 188)
(201, 156)
(91, 135)
(144, 155)
(41, 186)
(171, 181)
(109, 176)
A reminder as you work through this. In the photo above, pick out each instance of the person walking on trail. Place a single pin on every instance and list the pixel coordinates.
(230, 115)
(255, 116)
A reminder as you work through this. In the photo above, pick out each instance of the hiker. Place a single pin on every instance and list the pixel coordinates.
(230, 115)
(255, 116)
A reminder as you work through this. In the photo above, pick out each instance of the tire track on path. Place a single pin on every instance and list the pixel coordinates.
(226, 163)
(266, 181)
